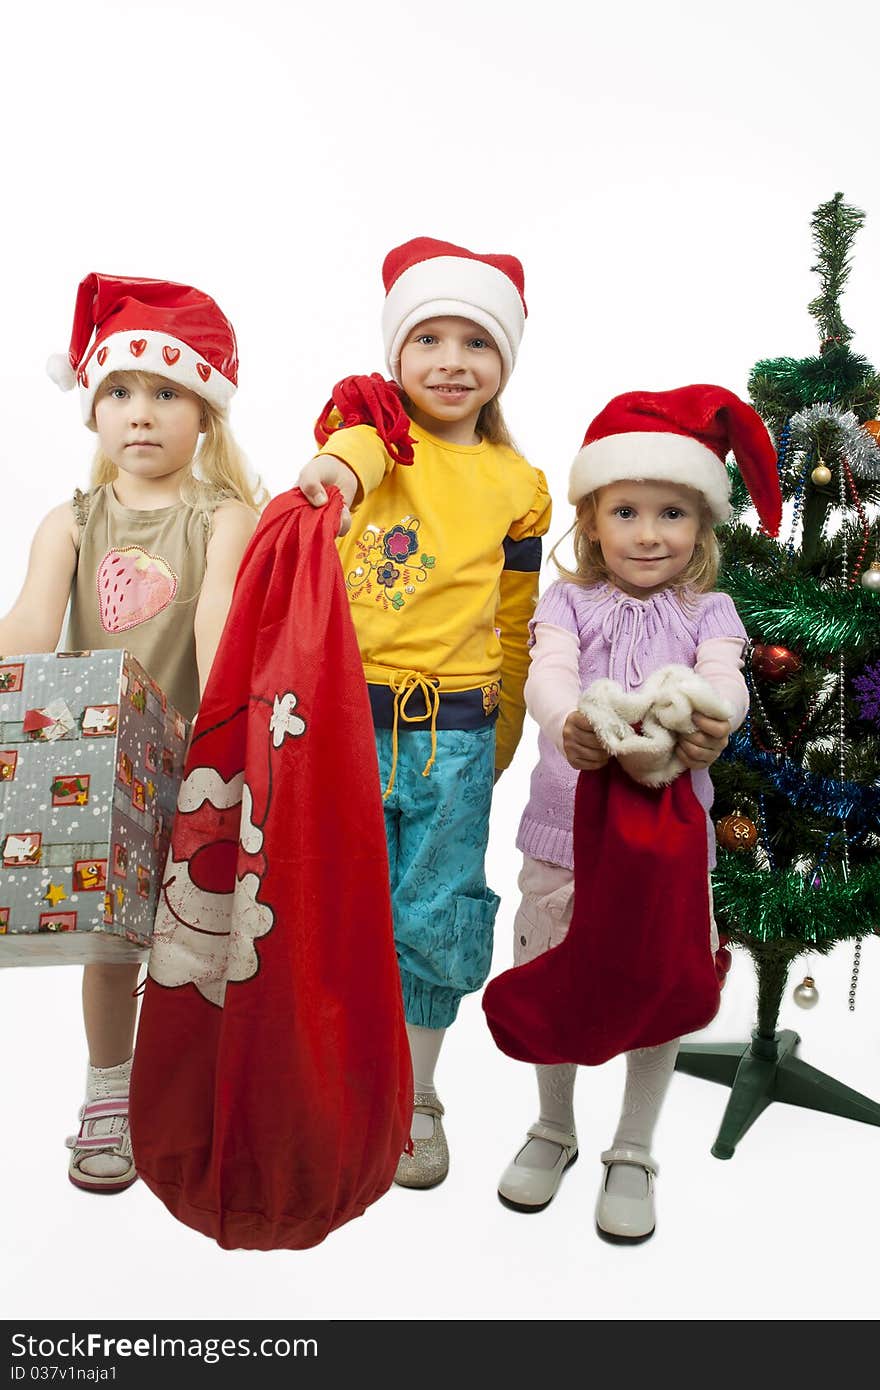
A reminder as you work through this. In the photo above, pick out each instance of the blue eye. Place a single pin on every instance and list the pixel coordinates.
(118, 393)
(166, 394)
(478, 343)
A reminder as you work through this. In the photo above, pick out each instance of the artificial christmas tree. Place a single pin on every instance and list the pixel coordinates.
(798, 788)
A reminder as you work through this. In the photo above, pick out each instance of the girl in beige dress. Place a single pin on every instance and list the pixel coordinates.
(170, 505)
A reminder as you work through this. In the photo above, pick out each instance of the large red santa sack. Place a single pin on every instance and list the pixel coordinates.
(636, 967)
(272, 1087)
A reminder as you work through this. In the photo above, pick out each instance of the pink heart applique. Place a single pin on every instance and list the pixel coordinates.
(137, 346)
(171, 355)
(133, 586)
(203, 370)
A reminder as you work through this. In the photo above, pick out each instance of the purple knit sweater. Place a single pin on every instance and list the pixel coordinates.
(625, 639)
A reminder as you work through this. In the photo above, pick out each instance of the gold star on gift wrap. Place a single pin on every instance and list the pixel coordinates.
(82, 798)
(54, 894)
(120, 895)
(151, 788)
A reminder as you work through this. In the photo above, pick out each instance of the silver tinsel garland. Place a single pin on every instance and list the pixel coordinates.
(853, 442)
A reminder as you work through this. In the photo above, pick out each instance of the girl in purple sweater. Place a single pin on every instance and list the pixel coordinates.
(648, 485)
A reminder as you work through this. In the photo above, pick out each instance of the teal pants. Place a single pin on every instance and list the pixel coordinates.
(437, 829)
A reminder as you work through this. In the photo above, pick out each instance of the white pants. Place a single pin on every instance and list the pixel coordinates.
(544, 913)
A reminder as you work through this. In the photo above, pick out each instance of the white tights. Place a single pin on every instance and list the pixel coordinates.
(424, 1047)
(648, 1073)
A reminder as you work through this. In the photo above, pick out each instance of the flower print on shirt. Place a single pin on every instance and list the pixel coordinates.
(390, 564)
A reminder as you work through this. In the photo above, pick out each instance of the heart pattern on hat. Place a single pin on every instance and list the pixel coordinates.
(152, 325)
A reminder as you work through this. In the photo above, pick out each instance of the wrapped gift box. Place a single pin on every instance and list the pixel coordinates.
(91, 757)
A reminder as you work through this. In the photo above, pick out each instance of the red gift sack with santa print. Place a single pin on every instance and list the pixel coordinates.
(636, 967)
(272, 1087)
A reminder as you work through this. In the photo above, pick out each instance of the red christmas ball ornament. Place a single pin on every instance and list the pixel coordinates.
(736, 832)
(775, 663)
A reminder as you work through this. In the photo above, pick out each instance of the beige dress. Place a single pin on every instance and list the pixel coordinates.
(137, 583)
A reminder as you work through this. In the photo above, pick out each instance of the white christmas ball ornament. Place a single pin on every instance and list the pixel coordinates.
(871, 577)
(806, 995)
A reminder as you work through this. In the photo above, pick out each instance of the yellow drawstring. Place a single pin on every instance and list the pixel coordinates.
(403, 683)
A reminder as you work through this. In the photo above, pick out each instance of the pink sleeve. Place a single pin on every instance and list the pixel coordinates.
(553, 685)
(719, 661)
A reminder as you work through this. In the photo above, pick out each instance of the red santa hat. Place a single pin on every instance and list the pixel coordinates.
(681, 436)
(426, 279)
(147, 326)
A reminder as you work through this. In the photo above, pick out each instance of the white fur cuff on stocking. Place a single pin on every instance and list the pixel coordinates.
(664, 707)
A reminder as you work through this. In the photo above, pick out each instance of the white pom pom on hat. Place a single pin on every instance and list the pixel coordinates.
(59, 369)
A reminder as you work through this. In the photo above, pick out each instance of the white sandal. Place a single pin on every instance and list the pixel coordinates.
(86, 1144)
(626, 1220)
(524, 1188)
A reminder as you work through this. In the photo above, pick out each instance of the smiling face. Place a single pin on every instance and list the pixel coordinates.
(646, 532)
(449, 368)
(148, 426)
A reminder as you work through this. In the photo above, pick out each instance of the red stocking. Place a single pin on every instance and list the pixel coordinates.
(636, 967)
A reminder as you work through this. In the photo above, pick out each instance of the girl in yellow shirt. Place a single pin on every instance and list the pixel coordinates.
(440, 550)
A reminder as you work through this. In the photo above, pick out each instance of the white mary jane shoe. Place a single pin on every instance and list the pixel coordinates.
(621, 1219)
(532, 1189)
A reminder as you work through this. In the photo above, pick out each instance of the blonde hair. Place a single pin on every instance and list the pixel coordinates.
(219, 470)
(699, 574)
(492, 426)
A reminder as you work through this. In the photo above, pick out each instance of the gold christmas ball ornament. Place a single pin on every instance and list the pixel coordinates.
(736, 832)
(806, 995)
(870, 578)
(821, 475)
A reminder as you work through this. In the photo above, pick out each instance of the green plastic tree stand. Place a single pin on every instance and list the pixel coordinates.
(763, 1071)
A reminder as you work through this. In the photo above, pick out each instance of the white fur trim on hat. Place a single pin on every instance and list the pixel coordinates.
(146, 350)
(458, 287)
(651, 456)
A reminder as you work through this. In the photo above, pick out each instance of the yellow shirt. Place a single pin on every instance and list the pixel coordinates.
(441, 565)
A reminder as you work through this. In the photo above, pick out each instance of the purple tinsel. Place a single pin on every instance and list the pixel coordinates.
(868, 693)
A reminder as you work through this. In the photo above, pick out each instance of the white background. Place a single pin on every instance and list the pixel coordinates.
(655, 167)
